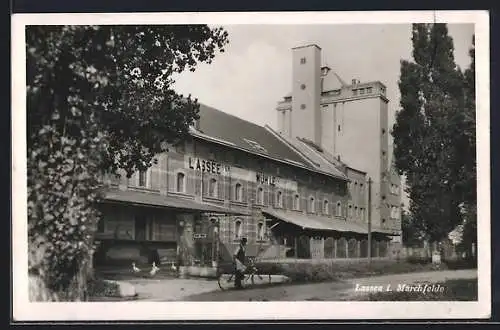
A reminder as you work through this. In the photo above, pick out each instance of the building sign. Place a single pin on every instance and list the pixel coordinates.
(198, 236)
(266, 179)
(207, 166)
(237, 173)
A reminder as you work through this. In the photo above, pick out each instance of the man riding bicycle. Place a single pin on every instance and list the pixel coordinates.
(239, 260)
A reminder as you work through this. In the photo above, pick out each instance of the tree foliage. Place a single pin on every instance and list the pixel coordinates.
(434, 133)
(99, 99)
(411, 233)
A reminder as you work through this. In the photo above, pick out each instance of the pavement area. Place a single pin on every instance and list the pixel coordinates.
(175, 289)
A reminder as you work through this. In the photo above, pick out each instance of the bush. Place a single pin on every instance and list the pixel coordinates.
(461, 263)
(101, 288)
(418, 260)
(342, 269)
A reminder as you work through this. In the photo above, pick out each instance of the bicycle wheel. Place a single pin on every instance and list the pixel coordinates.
(251, 278)
(225, 281)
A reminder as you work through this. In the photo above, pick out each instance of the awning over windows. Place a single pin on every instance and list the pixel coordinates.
(157, 200)
(318, 223)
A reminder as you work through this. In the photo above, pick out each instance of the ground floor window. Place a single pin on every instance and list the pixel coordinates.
(352, 248)
(341, 248)
(329, 247)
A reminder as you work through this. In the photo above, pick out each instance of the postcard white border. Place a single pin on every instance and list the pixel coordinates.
(23, 310)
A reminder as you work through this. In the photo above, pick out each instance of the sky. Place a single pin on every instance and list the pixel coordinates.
(254, 72)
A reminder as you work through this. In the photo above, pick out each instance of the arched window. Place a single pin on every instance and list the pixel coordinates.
(237, 193)
(181, 182)
(349, 211)
(238, 229)
(279, 199)
(212, 188)
(312, 205)
(326, 208)
(296, 202)
(339, 209)
(356, 214)
(143, 178)
(260, 196)
(261, 231)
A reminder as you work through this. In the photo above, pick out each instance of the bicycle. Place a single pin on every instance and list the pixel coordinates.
(226, 273)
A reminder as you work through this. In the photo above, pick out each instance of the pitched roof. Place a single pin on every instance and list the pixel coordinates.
(243, 134)
(220, 127)
(315, 154)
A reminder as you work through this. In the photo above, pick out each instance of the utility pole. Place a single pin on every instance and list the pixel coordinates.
(369, 220)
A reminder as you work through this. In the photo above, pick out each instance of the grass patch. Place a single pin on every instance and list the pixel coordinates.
(333, 271)
(454, 290)
(97, 287)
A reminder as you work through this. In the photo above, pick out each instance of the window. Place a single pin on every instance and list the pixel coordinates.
(296, 202)
(142, 178)
(369, 90)
(338, 128)
(350, 211)
(237, 192)
(326, 209)
(394, 189)
(312, 205)
(362, 213)
(354, 92)
(211, 154)
(383, 131)
(362, 91)
(180, 182)
(261, 231)
(302, 86)
(303, 60)
(238, 229)
(356, 214)
(394, 212)
(339, 209)
(260, 196)
(212, 188)
(279, 199)
(180, 148)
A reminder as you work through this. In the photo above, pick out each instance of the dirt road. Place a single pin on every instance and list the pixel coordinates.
(330, 291)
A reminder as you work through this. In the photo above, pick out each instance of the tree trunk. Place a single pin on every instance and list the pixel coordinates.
(38, 291)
